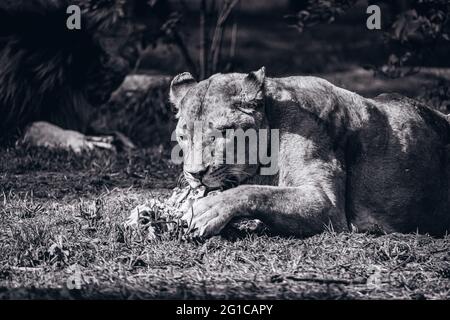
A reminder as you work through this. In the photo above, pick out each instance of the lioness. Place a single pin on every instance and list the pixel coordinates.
(345, 161)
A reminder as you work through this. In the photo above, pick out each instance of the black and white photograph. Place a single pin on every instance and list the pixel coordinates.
(251, 151)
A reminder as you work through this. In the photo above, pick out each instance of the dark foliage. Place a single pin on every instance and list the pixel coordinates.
(416, 34)
(314, 12)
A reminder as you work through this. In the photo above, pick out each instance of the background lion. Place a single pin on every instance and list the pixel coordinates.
(53, 74)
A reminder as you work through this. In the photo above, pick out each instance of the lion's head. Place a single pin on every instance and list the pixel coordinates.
(207, 112)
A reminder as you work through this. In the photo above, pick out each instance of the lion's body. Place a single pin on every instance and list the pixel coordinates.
(370, 164)
(392, 165)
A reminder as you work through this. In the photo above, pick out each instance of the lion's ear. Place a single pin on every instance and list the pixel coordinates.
(253, 87)
(179, 86)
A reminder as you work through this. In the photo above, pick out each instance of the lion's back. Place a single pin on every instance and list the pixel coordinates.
(398, 173)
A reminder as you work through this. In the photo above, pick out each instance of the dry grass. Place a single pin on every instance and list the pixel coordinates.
(59, 214)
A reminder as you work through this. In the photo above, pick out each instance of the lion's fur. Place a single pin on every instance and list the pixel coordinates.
(368, 164)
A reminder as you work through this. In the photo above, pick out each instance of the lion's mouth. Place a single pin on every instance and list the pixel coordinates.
(223, 183)
(213, 182)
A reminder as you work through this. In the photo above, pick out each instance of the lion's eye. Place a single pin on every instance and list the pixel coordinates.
(212, 138)
(237, 104)
(181, 138)
(224, 130)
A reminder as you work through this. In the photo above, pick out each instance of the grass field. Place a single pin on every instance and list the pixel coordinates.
(61, 227)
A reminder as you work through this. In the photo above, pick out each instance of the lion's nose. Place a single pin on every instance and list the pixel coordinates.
(198, 174)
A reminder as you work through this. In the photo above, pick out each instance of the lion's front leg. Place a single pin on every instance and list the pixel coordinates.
(211, 214)
(299, 211)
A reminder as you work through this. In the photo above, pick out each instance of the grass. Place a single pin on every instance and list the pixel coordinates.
(61, 219)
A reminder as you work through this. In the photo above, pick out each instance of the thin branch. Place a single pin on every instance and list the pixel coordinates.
(203, 59)
(233, 43)
(216, 57)
(219, 30)
(178, 40)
